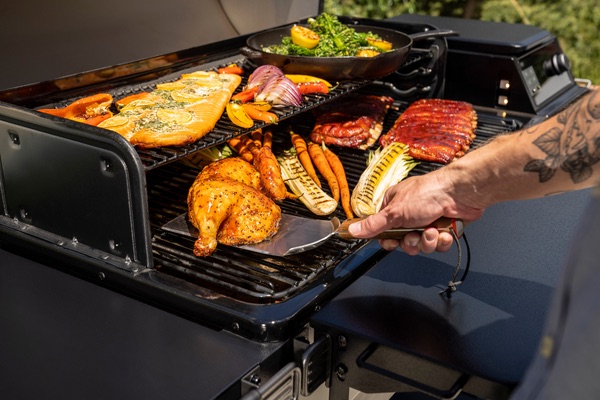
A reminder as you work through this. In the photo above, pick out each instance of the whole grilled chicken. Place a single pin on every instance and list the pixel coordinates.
(235, 168)
(226, 206)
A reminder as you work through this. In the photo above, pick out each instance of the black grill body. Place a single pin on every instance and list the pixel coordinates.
(83, 201)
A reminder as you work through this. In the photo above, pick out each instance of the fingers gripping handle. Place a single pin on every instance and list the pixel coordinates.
(443, 225)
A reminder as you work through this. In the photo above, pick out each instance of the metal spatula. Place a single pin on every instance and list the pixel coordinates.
(300, 234)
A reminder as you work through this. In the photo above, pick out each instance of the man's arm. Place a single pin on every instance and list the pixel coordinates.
(560, 154)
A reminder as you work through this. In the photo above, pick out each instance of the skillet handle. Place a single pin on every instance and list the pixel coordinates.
(250, 53)
(443, 225)
(433, 34)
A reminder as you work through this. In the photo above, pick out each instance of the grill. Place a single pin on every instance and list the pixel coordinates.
(60, 180)
(260, 279)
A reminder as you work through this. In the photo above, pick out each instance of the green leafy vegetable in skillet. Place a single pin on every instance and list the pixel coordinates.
(334, 40)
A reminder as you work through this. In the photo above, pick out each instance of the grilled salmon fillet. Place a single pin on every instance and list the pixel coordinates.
(176, 113)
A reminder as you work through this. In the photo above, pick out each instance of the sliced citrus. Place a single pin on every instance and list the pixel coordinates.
(113, 122)
(171, 85)
(187, 95)
(302, 36)
(367, 53)
(174, 116)
(380, 43)
(198, 75)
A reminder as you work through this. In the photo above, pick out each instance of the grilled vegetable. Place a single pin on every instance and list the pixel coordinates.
(312, 87)
(387, 167)
(279, 91)
(257, 114)
(320, 162)
(338, 169)
(231, 69)
(245, 95)
(240, 146)
(238, 115)
(262, 74)
(367, 53)
(335, 40)
(301, 149)
(296, 78)
(295, 176)
(90, 110)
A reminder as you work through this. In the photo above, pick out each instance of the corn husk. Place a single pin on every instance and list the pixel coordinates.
(387, 166)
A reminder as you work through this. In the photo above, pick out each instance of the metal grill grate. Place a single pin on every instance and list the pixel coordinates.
(257, 278)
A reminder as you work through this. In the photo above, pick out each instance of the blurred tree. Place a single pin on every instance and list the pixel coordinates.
(576, 22)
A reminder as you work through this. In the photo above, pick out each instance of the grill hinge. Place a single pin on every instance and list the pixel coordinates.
(284, 385)
(315, 365)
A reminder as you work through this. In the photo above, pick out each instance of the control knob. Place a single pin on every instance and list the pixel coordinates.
(557, 64)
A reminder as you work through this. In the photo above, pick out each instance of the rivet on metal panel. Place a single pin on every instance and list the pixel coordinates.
(24, 215)
(101, 276)
(342, 341)
(14, 138)
(106, 166)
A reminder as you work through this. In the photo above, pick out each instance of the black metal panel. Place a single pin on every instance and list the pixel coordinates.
(82, 341)
(79, 185)
(392, 331)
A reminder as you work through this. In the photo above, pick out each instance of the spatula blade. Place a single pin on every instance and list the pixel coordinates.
(295, 234)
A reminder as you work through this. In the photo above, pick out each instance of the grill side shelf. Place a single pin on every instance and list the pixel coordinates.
(78, 184)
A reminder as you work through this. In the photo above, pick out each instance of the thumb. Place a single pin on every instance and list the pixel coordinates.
(368, 227)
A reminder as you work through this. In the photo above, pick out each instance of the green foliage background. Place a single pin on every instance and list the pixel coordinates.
(576, 23)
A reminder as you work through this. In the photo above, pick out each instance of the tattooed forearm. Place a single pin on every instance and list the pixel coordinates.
(572, 144)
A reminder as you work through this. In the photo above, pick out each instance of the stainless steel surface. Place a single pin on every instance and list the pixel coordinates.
(44, 40)
(296, 234)
(300, 234)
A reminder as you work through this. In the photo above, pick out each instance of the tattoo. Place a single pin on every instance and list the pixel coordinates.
(574, 145)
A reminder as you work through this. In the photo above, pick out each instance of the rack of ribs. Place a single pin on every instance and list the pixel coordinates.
(435, 130)
(355, 121)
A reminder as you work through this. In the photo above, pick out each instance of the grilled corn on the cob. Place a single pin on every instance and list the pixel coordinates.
(387, 167)
(302, 185)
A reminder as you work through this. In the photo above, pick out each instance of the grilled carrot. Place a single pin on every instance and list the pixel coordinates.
(239, 146)
(253, 142)
(257, 137)
(260, 115)
(302, 152)
(268, 139)
(320, 161)
(338, 169)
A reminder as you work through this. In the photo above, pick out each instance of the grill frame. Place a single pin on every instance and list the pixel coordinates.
(140, 265)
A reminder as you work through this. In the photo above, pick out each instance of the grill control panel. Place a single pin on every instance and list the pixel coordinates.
(510, 67)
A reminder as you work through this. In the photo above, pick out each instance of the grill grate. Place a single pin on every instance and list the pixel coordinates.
(224, 129)
(253, 277)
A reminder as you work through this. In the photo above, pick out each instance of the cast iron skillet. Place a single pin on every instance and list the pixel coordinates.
(338, 68)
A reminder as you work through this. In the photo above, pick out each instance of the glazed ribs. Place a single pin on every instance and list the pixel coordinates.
(435, 130)
(354, 121)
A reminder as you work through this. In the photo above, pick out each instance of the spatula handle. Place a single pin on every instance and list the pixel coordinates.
(443, 225)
